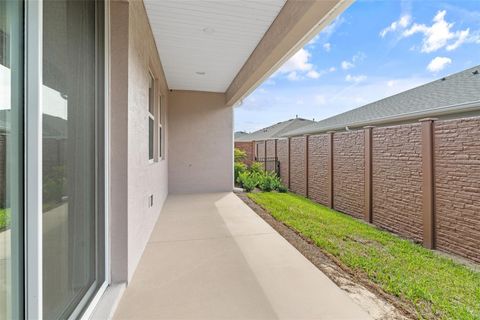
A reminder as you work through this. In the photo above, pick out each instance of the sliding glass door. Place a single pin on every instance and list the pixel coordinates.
(73, 220)
(11, 160)
(52, 203)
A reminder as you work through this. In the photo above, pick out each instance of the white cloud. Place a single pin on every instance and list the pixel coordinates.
(462, 37)
(403, 22)
(391, 83)
(298, 62)
(438, 64)
(332, 69)
(299, 66)
(438, 35)
(330, 29)
(313, 74)
(327, 46)
(355, 79)
(347, 65)
(359, 56)
(293, 76)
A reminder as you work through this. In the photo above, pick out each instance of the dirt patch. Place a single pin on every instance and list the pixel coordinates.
(363, 291)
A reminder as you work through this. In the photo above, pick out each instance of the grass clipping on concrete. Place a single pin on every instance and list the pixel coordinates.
(436, 286)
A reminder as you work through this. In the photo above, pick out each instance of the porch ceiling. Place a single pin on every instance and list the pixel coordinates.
(204, 44)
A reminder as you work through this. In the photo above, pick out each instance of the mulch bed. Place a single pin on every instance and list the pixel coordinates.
(330, 265)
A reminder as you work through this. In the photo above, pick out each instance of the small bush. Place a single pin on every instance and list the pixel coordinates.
(248, 180)
(257, 167)
(255, 176)
(269, 181)
(239, 155)
(239, 167)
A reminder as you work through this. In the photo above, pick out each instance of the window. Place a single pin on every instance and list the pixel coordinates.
(161, 134)
(151, 116)
(73, 148)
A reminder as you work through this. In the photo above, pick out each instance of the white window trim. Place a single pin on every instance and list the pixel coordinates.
(151, 116)
(160, 128)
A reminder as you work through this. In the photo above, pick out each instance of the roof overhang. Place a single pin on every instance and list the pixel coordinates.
(232, 46)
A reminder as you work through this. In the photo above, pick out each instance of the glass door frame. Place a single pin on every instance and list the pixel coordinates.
(33, 50)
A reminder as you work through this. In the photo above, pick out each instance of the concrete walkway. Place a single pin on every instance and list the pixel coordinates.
(211, 257)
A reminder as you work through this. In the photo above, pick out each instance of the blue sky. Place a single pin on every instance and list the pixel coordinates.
(373, 50)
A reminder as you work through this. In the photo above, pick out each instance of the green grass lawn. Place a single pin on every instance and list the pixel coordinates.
(4, 218)
(436, 286)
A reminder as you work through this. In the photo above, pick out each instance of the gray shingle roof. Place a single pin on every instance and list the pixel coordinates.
(238, 134)
(275, 131)
(445, 94)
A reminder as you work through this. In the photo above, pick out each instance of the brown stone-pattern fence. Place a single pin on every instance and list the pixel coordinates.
(418, 180)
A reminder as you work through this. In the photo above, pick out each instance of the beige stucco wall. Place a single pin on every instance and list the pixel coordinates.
(133, 177)
(200, 142)
(144, 178)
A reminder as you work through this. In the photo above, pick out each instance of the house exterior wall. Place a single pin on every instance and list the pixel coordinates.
(397, 180)
(144, 179)
(297, 163)
(318, 168)
(201, 142)
(133, 178)
(457, 186)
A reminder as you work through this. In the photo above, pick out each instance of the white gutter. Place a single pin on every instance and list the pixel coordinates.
(440, 111)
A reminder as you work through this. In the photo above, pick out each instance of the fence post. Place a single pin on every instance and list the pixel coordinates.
(289, 158)
(306, 164)
(330, 169)
(265, 155)
(428, 183)
(275, 162)
(252, 154)
(368, 173)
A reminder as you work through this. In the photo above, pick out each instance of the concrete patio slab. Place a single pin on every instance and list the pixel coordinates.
(211, 257)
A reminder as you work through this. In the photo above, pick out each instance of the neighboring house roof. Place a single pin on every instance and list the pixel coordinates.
(459, 92)
(239, 134)
(276, 131)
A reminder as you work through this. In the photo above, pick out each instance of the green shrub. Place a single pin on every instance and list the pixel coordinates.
(281, 188)
(248, 180)
(257, 167)
(239, 155)
(239, 167)
(268, 181)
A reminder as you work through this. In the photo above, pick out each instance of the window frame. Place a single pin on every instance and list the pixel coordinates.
(160, 129)
(151, 116)
(33, 133)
